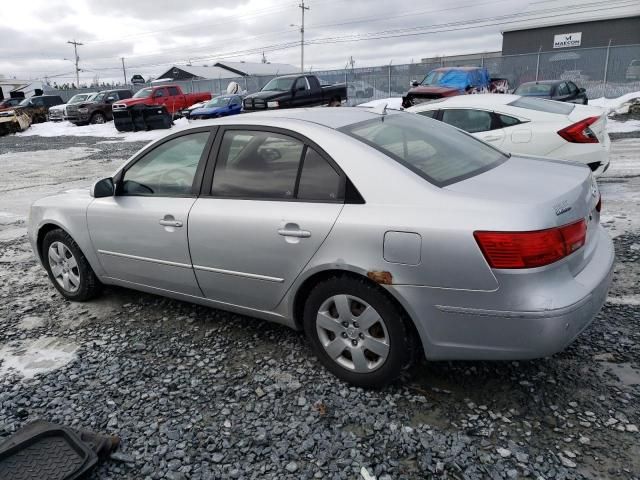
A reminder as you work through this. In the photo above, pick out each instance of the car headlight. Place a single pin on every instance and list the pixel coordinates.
(274, 104)
(83, 110)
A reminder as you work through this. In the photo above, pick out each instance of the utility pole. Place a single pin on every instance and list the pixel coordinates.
(75, 50)
(303, 8)
(124, 71)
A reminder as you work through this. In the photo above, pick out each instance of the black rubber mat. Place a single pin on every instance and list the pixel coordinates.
(44, 451)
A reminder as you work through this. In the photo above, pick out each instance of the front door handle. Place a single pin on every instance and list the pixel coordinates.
(491, 138)
(170, 223)
(286, 232)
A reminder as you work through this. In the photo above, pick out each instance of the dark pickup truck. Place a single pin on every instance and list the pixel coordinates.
(98, 109)
(292, 91)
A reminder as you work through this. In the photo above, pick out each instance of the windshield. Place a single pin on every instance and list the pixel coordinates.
(437, 152)
(218, 102)
(80, 97)
(433, 78)
(99, 97)
(24, 103)
(540, 89)
(543, 105)
(279, 84)
(144, 93)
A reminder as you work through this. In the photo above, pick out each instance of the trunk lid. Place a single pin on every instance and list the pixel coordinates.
(531, 193)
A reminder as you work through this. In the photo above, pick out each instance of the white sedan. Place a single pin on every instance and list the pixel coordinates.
(530, 126)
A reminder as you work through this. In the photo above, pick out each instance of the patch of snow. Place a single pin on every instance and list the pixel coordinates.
(393, 103)
(614, 126)
(105, 130)
(32, 357)
(624, 300)
(618, 104)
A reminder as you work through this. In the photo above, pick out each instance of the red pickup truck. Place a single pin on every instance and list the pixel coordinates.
(171, 97)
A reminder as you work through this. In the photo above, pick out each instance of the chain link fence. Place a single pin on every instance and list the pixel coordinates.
(607, 71)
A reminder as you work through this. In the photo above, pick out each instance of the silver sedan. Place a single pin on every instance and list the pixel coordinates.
(384, 236)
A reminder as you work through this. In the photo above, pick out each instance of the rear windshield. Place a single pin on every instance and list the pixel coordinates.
(439, 153)
(542, 89)
(542, 105)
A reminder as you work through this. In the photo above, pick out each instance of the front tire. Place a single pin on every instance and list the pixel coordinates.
(98, 118)
(68, 268)
(357, 332)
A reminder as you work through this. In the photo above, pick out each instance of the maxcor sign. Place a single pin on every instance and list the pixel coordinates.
(567, 40)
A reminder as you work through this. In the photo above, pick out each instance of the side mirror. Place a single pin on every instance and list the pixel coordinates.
(582, 89)
(103, 188)
(414, 83)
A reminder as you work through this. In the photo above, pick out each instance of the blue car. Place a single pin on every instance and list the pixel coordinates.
(218, 107)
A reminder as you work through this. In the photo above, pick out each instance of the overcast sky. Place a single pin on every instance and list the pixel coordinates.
(153, 34)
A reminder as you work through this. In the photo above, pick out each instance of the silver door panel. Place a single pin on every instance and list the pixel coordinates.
(138, 240)
(249, 252)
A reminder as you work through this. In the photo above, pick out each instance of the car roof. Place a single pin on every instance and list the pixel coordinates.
(544, 82)
(483, 100)
(332, 117)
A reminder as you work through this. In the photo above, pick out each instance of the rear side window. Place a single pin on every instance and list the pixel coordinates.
(440, 154)
(542, 105)
(173, 91)
(471, 121)
(508, 121)
(255, 164)
(318, 179)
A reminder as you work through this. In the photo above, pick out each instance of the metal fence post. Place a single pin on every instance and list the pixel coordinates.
(606, 68)
(390, 78)
(538, 63)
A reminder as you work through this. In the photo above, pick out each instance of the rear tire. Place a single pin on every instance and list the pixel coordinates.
(358, 332)
(68, 268)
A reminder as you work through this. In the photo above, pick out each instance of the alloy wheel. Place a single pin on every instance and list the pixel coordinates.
(352, 333)
(64, 267)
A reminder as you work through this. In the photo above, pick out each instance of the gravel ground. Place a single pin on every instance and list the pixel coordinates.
(197, 393)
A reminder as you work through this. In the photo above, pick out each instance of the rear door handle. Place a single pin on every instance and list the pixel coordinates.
(170, 223)
(294, 233)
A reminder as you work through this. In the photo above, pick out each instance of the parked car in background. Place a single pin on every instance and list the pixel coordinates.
(558, 90)
(171, 97)
(452, 249)
(58, 113)
(186, 112)
(529, 126)
(37, 107)
(633, 70)
(9, 102)
(97, 109)
(291, 91)
(13, 121)
(218, 107)
(452, 81)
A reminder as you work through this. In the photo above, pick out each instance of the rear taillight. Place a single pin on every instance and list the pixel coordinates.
(580, 132)
(599, 204)
(531, 249)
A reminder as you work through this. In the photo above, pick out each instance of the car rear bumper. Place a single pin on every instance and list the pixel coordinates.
(595, 155)
(465, 325)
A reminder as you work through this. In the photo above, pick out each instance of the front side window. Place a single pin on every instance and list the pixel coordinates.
(428, 113)
(440, 154)
(563, 89)
(301, 84)
(159, 93)
(254, 164)
(167, 170)
(471, 121)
